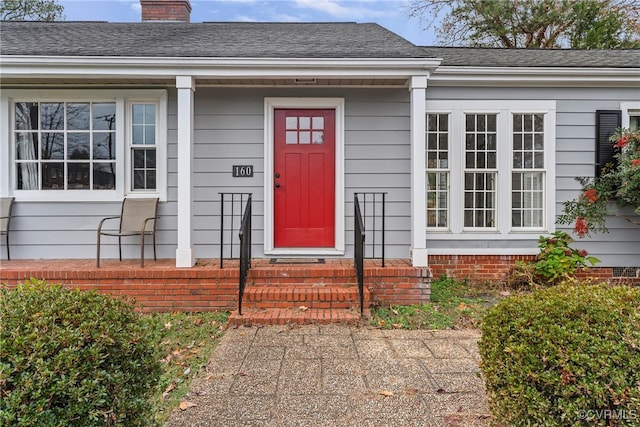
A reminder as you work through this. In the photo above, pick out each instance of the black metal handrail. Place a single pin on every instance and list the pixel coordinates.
(374, 219)
(232, 206)
(245, 251)
(358, 251)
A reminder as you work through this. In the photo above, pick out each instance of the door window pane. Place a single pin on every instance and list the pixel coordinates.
(305, 122)
(317, 137)
(291, 122)
(304, 137)
(291, 137)
(304, 130)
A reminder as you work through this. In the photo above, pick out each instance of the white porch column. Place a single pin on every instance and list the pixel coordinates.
(184, 253)
(5, 162)
(418, 91)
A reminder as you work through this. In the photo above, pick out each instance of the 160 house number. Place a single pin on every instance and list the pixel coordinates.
(242, 171)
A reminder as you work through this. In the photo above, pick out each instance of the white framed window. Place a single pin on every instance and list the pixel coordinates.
(143, 147)
(437, 161)
(500, 169)
(83, 145)
(65, 145)
(480, 171)
(630, 115)
(527, 173)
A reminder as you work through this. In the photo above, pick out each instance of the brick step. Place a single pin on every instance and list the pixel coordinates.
(313, 297)
(302, 275)
(295, 316)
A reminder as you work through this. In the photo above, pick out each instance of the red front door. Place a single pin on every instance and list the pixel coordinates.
(304, 178)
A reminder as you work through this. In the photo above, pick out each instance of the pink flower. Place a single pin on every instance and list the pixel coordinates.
(623, 141)
(583, 252)
(635, 162)
(591, 195)
(581, 228)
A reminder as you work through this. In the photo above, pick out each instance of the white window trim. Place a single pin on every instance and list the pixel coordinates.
(458, 120)
(121, 98)
(629, 109)
(447, 170)
(161, 148)
(504, 108)
(270, 104)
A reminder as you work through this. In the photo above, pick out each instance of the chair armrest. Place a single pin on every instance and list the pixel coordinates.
(144, 224)
(105, 219)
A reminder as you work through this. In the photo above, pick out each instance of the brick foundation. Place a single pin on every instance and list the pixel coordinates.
(495, 268)
(398, 285)
(160, 286)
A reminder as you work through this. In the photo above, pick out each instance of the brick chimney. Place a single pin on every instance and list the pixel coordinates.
(166, 10)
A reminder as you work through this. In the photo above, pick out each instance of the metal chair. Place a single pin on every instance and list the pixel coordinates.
(6, 204)
(138, 218)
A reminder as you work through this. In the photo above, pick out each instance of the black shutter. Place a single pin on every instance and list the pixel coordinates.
(607, 121)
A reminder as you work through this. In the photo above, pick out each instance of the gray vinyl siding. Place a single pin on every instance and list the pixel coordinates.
(55, 230)
(229, 129)
(575, 156)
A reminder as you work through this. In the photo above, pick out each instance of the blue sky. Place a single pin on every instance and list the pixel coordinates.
(392, 14)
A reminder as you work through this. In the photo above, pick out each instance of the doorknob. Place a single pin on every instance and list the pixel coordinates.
(277, 175)
(277, 185)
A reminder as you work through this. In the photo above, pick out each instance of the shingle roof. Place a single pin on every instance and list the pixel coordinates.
(223, 39)
(494, 57)
(274, 40)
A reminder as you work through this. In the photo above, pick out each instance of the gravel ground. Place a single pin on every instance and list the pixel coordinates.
(339, 376)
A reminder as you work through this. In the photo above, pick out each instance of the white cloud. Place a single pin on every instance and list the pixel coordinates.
(244, 18)
(283, 17)
(133, 5)
(341, 9)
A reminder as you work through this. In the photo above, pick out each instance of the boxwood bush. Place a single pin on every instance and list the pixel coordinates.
(73, 358)
(568, 355)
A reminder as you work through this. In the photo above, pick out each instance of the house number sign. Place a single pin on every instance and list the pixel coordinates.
(242, 171)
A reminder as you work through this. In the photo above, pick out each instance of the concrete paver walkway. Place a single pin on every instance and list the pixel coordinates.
(339, 376)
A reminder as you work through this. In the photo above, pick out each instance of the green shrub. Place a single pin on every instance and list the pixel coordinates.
(73, 358)
(568, 355)
(557, 261)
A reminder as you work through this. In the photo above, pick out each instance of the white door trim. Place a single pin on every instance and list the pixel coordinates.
(270, 104)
